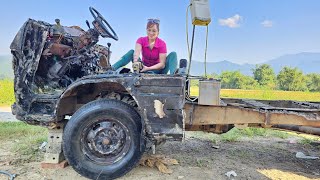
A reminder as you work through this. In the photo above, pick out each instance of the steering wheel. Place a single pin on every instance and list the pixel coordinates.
(101, 25)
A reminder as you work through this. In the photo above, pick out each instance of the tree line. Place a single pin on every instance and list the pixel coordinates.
(264, 77)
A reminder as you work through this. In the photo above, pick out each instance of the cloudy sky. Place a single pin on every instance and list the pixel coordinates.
(241, 31)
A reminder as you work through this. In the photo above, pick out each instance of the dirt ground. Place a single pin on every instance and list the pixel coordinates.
(258, 158)
(5, 109)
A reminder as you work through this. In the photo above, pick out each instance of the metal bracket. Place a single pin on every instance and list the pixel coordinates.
(191, 114)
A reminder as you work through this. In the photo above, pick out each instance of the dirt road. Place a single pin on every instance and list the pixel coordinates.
(259, 158)
(6, 115)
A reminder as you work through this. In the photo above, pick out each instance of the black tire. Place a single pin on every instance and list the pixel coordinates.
(102, 139)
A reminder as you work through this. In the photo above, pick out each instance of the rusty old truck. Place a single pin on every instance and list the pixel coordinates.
(101, 120)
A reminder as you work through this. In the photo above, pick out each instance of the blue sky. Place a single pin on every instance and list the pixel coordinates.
(241, 31)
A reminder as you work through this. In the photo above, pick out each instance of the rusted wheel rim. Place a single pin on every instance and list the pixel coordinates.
(105, 141)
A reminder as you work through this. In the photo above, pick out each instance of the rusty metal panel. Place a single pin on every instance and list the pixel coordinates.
(272, 104)
(156, 89)
(294, 118)
(291, 104)
(26, 55)
(161, 99)
(161, 106)
(161, 81)
(206, 115)
(60, 49)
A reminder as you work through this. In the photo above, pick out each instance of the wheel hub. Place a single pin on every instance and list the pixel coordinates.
(106, 138)
(106, 141)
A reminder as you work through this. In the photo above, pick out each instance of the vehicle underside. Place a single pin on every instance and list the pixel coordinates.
(64, 78)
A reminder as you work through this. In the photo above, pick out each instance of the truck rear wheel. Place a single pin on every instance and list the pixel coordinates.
(102, 139)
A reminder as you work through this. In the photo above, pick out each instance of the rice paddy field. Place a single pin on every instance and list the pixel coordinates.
(264, 94)
(7, 94)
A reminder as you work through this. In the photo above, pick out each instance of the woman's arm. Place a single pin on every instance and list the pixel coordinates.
(160, 65)
(137, 51)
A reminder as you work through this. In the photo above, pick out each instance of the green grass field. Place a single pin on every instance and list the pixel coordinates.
(26, 140)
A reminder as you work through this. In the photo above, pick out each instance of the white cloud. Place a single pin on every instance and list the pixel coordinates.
(267, 23)
(232, 22)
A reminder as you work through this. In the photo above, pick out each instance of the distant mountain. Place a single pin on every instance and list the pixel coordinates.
(197, 68)
(307, 62)
(6, 70)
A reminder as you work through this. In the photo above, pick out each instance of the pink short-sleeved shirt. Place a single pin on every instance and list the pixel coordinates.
(150, 57)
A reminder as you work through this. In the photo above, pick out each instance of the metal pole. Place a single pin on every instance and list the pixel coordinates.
(205, 54)
(191, 50)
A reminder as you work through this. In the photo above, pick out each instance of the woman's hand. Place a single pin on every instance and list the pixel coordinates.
(145, 68)
(158, 66)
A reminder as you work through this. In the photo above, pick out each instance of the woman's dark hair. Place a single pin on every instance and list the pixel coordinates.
(150, 24)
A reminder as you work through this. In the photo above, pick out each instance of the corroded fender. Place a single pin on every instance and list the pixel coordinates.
(159, 98)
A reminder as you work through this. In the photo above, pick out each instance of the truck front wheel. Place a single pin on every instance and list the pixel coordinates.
(102, 139)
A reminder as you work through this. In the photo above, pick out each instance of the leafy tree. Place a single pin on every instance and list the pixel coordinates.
(195, 82)
(265, 76)
(236, 80)
(292, 79)
(230, 79)
(247, 82)
(313, 82)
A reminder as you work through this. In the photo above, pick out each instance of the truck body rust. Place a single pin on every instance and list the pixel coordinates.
(101, 120)
(43, 98)
(55, 77)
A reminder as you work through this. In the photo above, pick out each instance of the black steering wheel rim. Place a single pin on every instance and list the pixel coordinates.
(105, 26)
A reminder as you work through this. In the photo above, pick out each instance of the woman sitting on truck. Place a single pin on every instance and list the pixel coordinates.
(153, 50)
